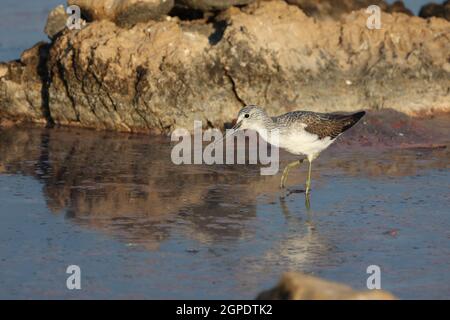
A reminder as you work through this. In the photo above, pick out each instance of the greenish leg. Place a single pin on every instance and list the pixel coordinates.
(307, 202)
(286, 171)
(308, 181)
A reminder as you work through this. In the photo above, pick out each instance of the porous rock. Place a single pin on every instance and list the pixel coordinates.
(299, 286)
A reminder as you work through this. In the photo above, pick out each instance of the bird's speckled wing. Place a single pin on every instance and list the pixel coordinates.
(321, 124)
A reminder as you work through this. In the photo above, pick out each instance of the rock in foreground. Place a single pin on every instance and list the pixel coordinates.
(298, 286)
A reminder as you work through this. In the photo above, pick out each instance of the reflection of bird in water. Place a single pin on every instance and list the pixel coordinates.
(287, 214)
(298, 248)
(299, 132)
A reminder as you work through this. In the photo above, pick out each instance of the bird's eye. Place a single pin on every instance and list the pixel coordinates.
(246, 115)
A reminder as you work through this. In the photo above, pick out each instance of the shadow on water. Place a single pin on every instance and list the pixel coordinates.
(229, 218)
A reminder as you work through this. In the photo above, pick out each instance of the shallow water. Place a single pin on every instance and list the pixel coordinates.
(141, 227)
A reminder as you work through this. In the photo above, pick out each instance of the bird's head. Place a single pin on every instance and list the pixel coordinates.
(251, 117)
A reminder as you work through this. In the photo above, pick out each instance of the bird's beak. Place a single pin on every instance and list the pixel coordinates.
(237, 125)
(230, 133)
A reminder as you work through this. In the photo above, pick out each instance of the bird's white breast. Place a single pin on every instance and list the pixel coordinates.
(299, 142)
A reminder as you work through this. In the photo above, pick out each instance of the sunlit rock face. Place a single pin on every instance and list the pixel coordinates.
(123, 12)
(159, 75)
(23, 83)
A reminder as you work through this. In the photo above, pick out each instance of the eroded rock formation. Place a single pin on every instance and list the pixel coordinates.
(159, 75)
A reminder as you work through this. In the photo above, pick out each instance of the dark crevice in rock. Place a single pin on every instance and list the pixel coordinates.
(61, 74)
(219, 30)
(87, 86)
(185, 13)
(341, 35)
(44, 75)
(233, 87)
(141, 73)
(86, 16)
(102, 89)
(138, 112)
(91, 103)
(209, 124)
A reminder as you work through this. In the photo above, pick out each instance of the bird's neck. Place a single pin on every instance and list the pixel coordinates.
(265, 128)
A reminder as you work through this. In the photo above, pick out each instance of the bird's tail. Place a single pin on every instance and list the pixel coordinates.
(352, 119)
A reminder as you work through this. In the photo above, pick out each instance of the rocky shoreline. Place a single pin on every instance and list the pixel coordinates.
(154, 73)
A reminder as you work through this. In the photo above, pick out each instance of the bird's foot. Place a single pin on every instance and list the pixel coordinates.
(308, 189)
(288, 192)
(307, 198)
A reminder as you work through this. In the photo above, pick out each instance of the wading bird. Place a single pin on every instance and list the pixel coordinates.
(303, 133)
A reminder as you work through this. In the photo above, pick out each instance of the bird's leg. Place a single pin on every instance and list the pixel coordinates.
(308, 181)
(307, 202)
(286, 171)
